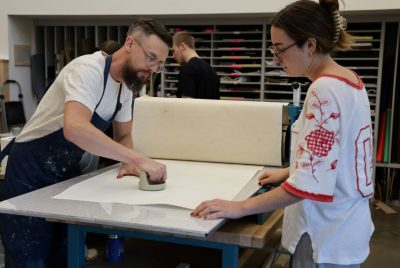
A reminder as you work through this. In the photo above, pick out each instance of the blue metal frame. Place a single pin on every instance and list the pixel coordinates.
(76, 244)
(294, 112)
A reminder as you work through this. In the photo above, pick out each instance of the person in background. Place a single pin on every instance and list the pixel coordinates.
(89, 94)
(109, 46)
(326, 189)
(196, 78)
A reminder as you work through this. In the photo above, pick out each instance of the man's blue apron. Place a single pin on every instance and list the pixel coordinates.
(35, 164)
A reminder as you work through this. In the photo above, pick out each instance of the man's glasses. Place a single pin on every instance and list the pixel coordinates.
(275, 53)
(151, 58)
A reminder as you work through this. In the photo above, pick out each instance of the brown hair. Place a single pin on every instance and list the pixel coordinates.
(109, 46)
(184, 37)
(149, 27)
(305, 18)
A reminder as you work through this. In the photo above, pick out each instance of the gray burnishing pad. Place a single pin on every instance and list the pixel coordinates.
(146, 185)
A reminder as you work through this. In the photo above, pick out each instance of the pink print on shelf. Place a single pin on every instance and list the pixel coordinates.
(320, 140)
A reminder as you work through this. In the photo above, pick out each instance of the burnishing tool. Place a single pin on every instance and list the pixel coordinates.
(146, 185)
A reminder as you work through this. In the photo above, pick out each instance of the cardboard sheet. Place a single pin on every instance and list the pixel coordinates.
(188, 184)
(241, 132)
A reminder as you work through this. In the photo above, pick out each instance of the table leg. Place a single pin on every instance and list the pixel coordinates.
(230, 256)
(76, 246)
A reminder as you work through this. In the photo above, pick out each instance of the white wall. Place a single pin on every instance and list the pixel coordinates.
(20, 32)
(117, 7)
(156, 7)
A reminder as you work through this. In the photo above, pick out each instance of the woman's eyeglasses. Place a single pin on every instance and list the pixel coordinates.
(275, 52)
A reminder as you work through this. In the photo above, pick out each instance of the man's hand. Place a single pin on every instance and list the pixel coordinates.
(157, 171)
(127, 170)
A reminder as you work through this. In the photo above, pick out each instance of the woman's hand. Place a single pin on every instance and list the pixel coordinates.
(217, 208)
(270, 176)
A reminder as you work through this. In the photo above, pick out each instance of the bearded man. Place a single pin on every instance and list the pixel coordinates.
(89, 94)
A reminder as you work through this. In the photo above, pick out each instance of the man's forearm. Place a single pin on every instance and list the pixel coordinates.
(126, 141)
(90, 139)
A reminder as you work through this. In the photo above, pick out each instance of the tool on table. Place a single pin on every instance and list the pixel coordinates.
(146, 185)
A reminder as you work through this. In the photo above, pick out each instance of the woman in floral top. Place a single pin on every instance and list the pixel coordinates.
(326, 189)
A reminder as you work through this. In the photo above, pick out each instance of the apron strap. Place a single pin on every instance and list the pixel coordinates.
(106, 72)
(6, 150)
(119, 104)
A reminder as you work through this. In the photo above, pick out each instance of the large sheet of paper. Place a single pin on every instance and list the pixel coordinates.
(188, 184)
(240, 132)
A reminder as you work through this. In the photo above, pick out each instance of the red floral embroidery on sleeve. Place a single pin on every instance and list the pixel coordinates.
(320, 140)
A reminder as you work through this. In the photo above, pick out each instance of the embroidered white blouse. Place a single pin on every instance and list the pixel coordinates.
(331, 167)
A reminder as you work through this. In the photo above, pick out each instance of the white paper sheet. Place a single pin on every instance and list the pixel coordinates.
(188, 184)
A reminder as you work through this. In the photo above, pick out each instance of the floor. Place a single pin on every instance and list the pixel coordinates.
(385, 243)
(385, 250)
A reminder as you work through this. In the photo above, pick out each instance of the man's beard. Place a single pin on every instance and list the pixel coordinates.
(132, 79)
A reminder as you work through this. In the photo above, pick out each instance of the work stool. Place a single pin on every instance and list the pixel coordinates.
(13, 114)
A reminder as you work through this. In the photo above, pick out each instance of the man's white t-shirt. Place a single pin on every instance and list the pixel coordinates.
(331, 167)
(82, 80)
